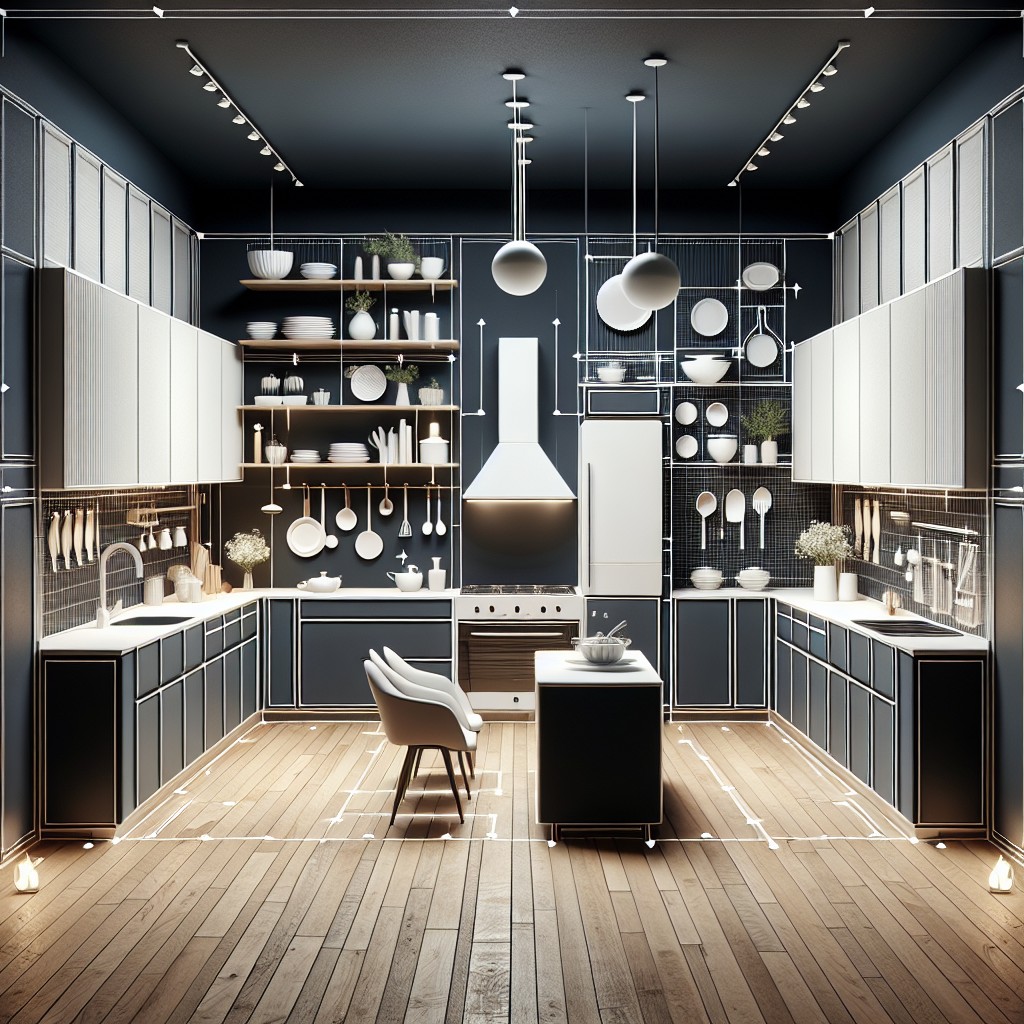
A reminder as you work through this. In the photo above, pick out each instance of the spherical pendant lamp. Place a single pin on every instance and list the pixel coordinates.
(519, 267)
(651, 281)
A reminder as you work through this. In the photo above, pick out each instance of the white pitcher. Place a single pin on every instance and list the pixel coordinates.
(412, 324)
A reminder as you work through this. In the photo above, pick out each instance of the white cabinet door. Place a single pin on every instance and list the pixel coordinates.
(909, 384)
(55, 219)
(160, 235)
(940, 214)
(209, 395)
(231, 418)
(889, 255)
(944, 396)
(138, 245)
(115, 230)
(117, 400)
(621, 485)
(849, 254)
(803, 430)
(184, 402)
(875, 465)
(154, 424)
(868, 259)
(88, 232)
(970, 197)
(915, 248)
(846, 402)
(821, 406)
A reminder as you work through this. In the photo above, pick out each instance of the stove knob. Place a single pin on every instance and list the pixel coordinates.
(543, 609)
(476, 609)
(558, 607)
(517, 609)
(492, 608)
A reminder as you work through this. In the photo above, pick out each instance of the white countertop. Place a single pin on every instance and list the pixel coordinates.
(844, 612)
(116, 639)
(567, 668)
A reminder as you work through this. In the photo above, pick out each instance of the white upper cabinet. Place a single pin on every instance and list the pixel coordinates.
(940, 214)
(160, 240)
(210, 420)
(874, 387)
(184, 401)
(138, 245)
(908, 383)
(154, 425)
(88, 225)
(846, 401)
(890, 262)
(915, 250)
(803, 429)
(970, 197)
(55, 218)
(231, 418)
(115, 230)
(821, 406)
(868, 259)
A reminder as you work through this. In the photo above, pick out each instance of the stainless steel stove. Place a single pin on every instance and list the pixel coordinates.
(500, 627)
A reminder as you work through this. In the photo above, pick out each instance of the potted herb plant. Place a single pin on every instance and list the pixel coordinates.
(361, 327)
(403, 374)
(397, 252)
(767, 421)
(826, 545)
(247, 550)
(431, 394)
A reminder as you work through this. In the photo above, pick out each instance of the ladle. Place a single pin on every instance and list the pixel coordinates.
(706, 505)
(329, 539)
(346, 518)
(386, 506)
(440, 528)
(428, 526)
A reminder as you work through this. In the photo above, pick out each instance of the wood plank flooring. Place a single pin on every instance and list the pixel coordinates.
(270, 888)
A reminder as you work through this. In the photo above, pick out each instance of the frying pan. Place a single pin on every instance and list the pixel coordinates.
(306, 536)
(369, 544)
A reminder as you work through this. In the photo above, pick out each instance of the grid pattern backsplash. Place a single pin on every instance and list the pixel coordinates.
(70, 593)
(941, 589)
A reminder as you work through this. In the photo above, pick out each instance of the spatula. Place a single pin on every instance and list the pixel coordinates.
(736, 509)
(706, 505)
(762, 501)
(405, 530)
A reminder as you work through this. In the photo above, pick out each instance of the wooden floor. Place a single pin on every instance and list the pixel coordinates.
(270, 888)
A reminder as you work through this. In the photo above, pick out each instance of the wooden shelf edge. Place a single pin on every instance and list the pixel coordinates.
(350, 465)
(334, 284)
(369, 407)
(345, 344)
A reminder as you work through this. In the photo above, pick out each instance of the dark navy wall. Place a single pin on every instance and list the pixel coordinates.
(31, 73)
(989, 75)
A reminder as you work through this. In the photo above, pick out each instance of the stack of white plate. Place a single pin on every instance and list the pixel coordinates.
(706, 578)
(305, 455)
(318, 271)
(344, 452)
(307, 327)
(262, 329)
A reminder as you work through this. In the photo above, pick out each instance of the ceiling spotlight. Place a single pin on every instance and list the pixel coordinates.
(733, 183)
(298, 184)
(158, 11)
(517, 104)
(830, 70)
(224, 102)
(266, 151)
(636, 97)
(238, 119)
(254, 136)
(763, 151)
(803, 103)
(789, 119)
(279, 166)
(817, 87)
(520, 126)
(868, 11)
(210, 87)
(513, 76)
(196, 70)
(751, 166)
(776, 137)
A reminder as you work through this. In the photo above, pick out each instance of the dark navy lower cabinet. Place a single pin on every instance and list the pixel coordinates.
(817, 703)
(838, 718)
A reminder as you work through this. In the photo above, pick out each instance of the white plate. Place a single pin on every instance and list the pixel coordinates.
(574, 659)
(709, 317)
(616, 310)
(686, 412)
(761, 350)
(369, 383)
(717, 414)
(759, 277)
(686, 446)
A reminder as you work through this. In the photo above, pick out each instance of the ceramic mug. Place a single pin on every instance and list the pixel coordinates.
(431, 268)
(180, 540)
(165, 543)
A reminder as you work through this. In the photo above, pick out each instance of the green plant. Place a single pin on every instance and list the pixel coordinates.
(767, 420)
(433, 384)
(396, 248)
(361, 302)
(824, 543)
(402, 374)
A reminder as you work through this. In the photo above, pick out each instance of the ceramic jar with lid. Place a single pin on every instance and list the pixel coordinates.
(434, 449)
(275, 452)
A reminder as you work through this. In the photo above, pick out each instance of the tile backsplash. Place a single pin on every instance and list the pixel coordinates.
(950, 581)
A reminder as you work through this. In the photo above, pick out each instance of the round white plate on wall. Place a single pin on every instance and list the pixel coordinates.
(709, 317)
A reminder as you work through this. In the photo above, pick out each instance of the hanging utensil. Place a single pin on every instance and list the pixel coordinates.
(440, 528)
(53, 539)
(386, 506)
(272, 508)
(66, 533)
(876, 532)
(706, 505)
(762, 501)
(330, 540)
(721, 520)
(736, 509)
(79, 535)
(90, 531)
(305, 536)
(346, 518)
(405, 530)
(428, 526)
(858, 529)
(369, 544)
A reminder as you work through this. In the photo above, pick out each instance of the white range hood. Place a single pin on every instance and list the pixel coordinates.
(518, 469)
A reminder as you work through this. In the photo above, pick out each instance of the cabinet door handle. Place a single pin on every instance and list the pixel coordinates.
(517, 636)
(590, 522)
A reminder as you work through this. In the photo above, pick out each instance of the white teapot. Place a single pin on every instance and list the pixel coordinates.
(409, 580)
(322, 584)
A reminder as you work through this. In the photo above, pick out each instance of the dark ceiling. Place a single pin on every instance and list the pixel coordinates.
(412, 98)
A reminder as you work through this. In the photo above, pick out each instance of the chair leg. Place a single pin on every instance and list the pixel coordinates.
(403, 779)
(416, 765)
(472, 765)
(462, 768)
(446, 754)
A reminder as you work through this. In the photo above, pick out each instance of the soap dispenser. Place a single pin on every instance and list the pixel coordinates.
(436, 576)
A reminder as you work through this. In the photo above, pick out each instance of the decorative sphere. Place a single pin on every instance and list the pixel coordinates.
(650, 281)
(519, 268)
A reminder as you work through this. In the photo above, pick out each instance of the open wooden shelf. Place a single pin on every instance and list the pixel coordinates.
(345, 344)
(360, 466)
(335, 284)
(369, 407)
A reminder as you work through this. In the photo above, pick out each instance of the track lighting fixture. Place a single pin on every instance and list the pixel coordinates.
(802, 102)
(199, 70)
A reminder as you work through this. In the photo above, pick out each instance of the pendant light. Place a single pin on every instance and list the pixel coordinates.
(518, 267)
(650, 280)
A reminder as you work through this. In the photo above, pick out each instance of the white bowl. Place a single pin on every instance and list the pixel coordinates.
(705, 369)
(293, 399)
(401, 271)
(753, 578)
(601, 650)
(611, 374)
(267, 400)
(722, 447)
(261, 333)
(705, 578)
(270, 264)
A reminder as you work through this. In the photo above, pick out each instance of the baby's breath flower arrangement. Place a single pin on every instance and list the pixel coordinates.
(824, 543)
(247, 550)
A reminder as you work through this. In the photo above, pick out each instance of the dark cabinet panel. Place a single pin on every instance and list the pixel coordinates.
(195, 716)
(172, 657)
(194, 639)
(751, 629)
(838, 718)
(148, 668)
(1007, 180)
(859, 704)
(232, 689)
(17, 404)
(172, 731)
(798, 715)
(148, 747)
(860, 657)
(214, 699)
(1008, 355)
(784, 680)
(19, 180)
(817, 703)
(837, 647)
(250, 679)
(214, 637)
(17, 650)
(883, 748)
(642, 617)
(702, 653)
(882, 669)
(280, 655)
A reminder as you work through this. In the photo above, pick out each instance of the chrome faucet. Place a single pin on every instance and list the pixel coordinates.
(102, 615)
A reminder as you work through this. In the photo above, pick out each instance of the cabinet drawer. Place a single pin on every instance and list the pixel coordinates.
(634, 402)
(860, 658)
(148, 677)
(816, 643)
(800, 637)
(413, 608)
(250, 622)
(882, 671)
(214, 637)
(837, 655)
(784, 627)
(194, 637)
(232, 630)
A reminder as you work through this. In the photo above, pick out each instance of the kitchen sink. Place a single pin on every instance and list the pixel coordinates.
(905, 627)
(152, 620)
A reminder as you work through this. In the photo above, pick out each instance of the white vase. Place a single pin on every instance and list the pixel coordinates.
(361, 327)
(825, 583)
(247, 581)
(770, 453)
(402, 398)
(375, 268)
(750, 454)
(848, 586)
